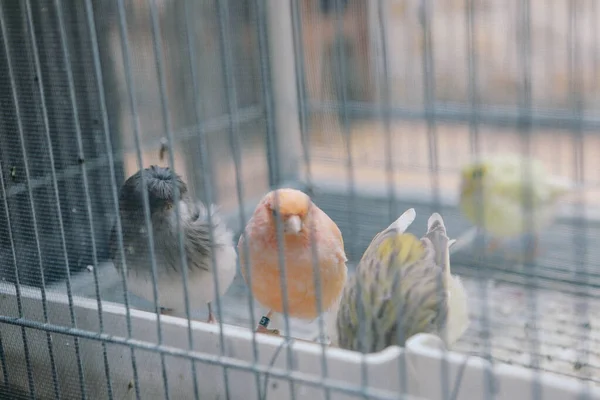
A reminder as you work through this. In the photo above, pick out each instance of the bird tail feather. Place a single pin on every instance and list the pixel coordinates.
(403, 222)
(436, 233)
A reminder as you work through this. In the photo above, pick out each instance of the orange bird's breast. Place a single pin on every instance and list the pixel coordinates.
(300, 278)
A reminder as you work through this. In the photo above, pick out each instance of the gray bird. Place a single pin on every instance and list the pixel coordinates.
(162, 186)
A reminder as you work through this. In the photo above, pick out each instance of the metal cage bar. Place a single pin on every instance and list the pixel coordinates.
(194, 359)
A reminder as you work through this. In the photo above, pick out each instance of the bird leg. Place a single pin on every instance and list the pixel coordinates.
(211, 317)
(493, 246)
(529, 254)
(322, 337)
(534, 249)
(264, 323)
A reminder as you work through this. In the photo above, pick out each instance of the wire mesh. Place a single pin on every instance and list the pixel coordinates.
(371, 108)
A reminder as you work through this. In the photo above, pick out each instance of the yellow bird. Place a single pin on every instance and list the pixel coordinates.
(402, 287)
(509, 195)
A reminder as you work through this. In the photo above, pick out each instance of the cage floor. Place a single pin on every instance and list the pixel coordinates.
(566, 342)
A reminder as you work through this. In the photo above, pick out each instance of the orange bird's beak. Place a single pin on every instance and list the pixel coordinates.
(292, 225)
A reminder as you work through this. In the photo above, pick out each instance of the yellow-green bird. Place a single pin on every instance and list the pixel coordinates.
(402, 287)
(508, 195)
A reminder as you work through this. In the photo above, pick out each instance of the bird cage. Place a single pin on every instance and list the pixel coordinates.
(371, 108)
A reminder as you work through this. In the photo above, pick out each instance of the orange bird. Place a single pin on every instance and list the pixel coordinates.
(304, 225)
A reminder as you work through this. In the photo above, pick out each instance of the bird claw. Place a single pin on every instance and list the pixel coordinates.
(322, 339)
(212, 319)
(166, 311)
(262, 329)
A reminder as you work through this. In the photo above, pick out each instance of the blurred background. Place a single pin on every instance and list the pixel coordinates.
(370, 106)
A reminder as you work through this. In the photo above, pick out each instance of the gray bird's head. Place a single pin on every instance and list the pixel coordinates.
(162, 185)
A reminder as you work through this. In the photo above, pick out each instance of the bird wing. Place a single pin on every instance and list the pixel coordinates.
(458, 311)
(112, 242)
(397, 227)
(514, 189)
(524, 180)
(457, 319)
(197, 236)
(113, 246)
(440, 244)
(394, 294)
(404, 221)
